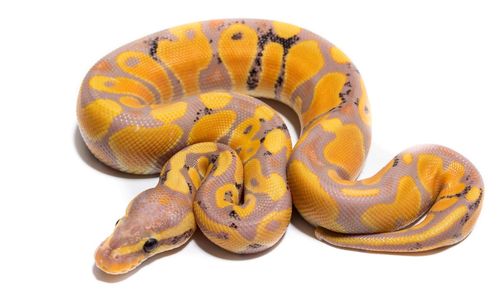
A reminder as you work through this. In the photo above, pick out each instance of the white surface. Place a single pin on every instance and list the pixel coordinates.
(431, 71)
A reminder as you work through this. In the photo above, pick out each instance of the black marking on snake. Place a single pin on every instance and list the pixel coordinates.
(178, 238)
(202, 205)
(342, 97)
(460, 194)
(268, 153)
(186, 167)
(238, 186)
(269, 36)
(163, 176)
(237, 36)
(416, 246)
(234, 215)
(228, 196)
(465, 219)
(222, 236)
(282, 127)
(267, 131)
(208, 111)
(213, 158)
(262, 139)
(210, 41)
(475, 205)
(234, 226)
(472, 207)
(395, 162)
(262, 120)
(247, 129)
(153, 48)
(219, 60)
(255, 245)
(190, 187)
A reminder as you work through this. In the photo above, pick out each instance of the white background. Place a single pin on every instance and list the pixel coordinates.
(432, 74)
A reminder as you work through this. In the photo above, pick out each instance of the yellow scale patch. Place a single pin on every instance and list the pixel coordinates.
(338, 55)
(131, 102)
(405, 208)
(97, 116)
(186, 56)
(473, 194)
(326, 95)
(435, 179)
(121, 85)
(237, 50)
(444, 203)
(215, 100)
(212, 127)
(220, 195)
(360, 192)
(272, 58)
(175, 179)
(195, 177)
(407, 158)
(146, 68)
(307, 187)
(246, 141)
(150, 142)
(224, 161)
(296, 71)
(274, 185)
(347, 149)
(276, 140)
(285, 30)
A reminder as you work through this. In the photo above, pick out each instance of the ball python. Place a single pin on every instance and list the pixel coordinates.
(182, 103)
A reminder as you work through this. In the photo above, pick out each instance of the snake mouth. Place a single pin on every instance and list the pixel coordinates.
(107, 260)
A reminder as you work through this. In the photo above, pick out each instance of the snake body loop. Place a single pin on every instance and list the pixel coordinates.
(178, 101)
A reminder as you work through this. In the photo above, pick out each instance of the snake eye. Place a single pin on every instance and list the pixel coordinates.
(150, 245)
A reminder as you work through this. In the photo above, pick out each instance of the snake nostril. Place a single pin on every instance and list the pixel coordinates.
(150, 245)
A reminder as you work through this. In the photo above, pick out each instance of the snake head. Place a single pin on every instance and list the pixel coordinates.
(155, 222)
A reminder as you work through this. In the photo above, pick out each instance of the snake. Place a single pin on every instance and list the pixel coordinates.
(186, 103)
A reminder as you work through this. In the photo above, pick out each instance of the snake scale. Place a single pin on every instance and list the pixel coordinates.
(181, 102)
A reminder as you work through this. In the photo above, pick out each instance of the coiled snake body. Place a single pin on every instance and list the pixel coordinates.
(175, 97)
